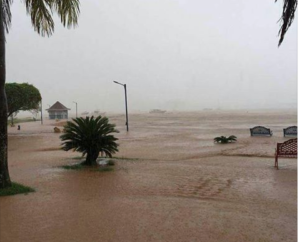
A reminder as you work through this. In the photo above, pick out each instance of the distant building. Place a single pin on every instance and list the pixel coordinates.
(58, 111)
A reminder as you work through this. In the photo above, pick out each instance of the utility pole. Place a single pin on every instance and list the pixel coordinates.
(126, 107)
(41, 111)
(125, 89)
(76, 108)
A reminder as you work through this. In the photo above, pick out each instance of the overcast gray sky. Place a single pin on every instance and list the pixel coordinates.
(173, 55)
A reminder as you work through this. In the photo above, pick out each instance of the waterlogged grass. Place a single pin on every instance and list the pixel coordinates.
(74, 167)
(114, 157)
(78, 158)
(133, 159)
(15, 189)
(100, 168)
(111, 163)
(125, 158)
(22, 120)
(80, 166)
(105, 169)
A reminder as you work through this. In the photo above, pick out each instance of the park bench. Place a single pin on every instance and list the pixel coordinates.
(260, 131)
(287, 149)
(290, 131)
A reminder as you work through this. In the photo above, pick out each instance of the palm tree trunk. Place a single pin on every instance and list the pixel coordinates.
(91, 159)
(4, 175)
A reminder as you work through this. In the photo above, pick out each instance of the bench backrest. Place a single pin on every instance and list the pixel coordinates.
(260, 131)
(288, 148)
(290, 131)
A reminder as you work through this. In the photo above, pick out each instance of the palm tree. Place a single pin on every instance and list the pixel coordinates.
(41, 13)
(90, 136)
(287, 17)
(225, 140)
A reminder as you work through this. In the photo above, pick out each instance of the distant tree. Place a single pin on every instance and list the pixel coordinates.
(225, 140)
(90, 136)
(12, 116)
(41, 13)
(287, 17)
(22, 97)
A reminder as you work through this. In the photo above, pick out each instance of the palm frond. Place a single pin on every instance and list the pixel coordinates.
(68, 10)
(232, 138)
(225, 140)
(90, 136)
(41, 13)
(6, 14)
(287, 17)
(41, 16)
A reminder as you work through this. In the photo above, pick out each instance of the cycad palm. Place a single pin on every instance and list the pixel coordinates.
(225, 140)
(90, 136)
(41, 13)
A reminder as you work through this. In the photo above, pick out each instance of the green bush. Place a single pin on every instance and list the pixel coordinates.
(90, 136)
(225, 140)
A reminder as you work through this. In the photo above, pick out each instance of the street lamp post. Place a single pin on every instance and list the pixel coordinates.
(125, 89)
(41, 111)
(76, 108)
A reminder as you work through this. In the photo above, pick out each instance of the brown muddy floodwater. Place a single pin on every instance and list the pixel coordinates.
(174, 185)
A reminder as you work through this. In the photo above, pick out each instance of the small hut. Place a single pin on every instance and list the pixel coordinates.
(58, 111)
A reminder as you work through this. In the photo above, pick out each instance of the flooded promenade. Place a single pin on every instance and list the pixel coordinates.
(170, 183)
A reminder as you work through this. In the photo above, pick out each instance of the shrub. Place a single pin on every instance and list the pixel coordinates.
(225, 140)
(90, 136)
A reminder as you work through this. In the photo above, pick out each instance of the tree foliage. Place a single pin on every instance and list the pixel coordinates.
(22, 97)
(287, 17)
(90, 136)
(41, 14)
(225, 140)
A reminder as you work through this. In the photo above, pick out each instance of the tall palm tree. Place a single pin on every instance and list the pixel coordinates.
(90, 136)
(41, 13)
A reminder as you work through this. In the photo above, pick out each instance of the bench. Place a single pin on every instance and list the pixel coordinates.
(287, 149)
(260, 131)
(290, 131)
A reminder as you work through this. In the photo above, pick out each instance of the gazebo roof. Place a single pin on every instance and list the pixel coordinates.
(57, 107)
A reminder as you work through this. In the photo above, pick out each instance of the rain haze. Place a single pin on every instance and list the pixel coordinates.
(207, 152)
(173, 55)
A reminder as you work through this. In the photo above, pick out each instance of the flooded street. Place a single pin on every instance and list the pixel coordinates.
(170, 183)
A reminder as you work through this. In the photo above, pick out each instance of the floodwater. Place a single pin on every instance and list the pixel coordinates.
(170, 183)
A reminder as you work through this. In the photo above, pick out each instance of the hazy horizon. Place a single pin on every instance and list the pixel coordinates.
(173, 55)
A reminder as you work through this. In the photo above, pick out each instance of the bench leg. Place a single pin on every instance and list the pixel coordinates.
(276, 162)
